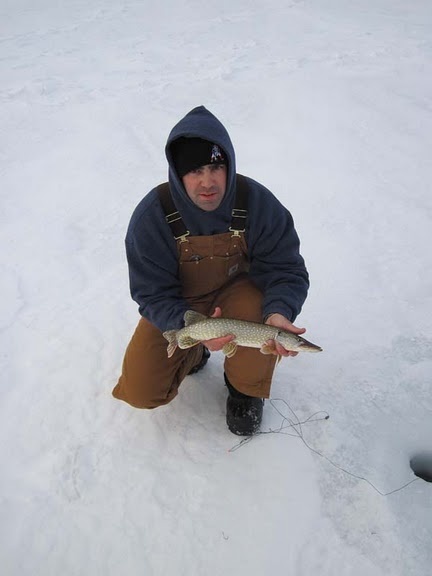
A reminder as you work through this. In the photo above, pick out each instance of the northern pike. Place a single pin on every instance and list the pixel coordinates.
(250, 334)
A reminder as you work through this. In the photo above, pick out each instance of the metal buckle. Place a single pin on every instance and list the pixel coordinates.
(236, 213)
(173, 217)
(183, 237)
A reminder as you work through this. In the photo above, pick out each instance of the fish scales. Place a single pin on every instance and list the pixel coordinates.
(250, 334)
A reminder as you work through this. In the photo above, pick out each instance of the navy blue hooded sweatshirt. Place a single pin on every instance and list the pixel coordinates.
(276, 265)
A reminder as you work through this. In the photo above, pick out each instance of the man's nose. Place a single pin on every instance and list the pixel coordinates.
(207, 180)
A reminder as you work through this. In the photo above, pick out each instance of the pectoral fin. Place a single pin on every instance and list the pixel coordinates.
(230, 349)
(266, 349)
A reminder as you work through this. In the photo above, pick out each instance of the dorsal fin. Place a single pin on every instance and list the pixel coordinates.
(192, 317)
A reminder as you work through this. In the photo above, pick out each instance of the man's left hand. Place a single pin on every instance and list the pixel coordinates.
(281, 322)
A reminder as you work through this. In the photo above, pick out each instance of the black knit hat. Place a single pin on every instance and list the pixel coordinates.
(192, 153)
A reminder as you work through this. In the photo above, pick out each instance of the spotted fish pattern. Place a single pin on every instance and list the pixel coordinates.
(250, 334)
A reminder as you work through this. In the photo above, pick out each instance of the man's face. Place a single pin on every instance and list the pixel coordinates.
(206, 185)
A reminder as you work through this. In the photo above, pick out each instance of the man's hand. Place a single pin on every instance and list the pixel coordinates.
(216, 344)
(281, 322)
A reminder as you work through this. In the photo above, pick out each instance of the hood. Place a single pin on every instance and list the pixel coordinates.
(200, 123)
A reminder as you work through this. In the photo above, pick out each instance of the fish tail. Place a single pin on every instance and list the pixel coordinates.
(171, 336)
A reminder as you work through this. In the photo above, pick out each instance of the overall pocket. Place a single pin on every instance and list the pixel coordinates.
(207, 263)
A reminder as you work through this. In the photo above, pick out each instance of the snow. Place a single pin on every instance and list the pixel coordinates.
(329, 105)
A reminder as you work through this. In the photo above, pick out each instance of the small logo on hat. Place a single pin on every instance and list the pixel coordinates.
(216, 154)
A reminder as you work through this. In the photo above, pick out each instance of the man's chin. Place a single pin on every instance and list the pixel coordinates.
(209, 202)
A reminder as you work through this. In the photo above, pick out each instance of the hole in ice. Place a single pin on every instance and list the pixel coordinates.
(421, 465)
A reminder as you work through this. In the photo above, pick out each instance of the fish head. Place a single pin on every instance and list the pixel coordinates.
(296, 343)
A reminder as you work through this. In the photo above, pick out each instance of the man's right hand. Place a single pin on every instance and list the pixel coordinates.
(216, 344)
(281, 322)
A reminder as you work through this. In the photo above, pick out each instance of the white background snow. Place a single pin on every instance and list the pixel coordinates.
(328, 103)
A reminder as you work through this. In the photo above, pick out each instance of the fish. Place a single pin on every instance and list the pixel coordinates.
(199, 327)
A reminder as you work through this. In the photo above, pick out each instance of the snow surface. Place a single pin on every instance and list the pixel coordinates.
(329, 104)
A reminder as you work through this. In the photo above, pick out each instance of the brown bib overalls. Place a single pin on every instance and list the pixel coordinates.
(213, 270)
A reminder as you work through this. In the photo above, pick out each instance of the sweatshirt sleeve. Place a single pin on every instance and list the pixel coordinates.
(160, 301)
(276, 265)
(153, 274)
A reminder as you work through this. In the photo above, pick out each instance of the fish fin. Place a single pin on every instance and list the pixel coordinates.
(171, 336)
(192, 317)
(187, 342)
(266, 349)
(230, 349)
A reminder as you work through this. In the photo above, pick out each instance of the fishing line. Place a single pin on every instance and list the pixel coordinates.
(297, 432)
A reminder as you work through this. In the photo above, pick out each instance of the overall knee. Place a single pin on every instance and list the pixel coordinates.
(143, 395)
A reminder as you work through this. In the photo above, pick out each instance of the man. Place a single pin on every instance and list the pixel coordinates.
(219, 244)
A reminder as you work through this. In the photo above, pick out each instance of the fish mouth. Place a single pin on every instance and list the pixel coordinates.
(309, 346)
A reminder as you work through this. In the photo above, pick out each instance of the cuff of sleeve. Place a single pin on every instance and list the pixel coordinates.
(278, 309)
(268, 316)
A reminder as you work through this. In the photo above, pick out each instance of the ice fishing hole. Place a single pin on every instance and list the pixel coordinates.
(421, 465)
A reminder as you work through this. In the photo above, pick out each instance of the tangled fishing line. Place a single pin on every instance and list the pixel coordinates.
(296, 431)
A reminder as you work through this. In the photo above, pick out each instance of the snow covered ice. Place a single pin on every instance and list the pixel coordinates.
(328, 104)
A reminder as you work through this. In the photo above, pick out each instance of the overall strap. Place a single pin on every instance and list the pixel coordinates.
(172, 215)
(239, 212)
(175, 222)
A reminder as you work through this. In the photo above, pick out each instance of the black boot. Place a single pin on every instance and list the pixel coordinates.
(201, 363)
(243, 413)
